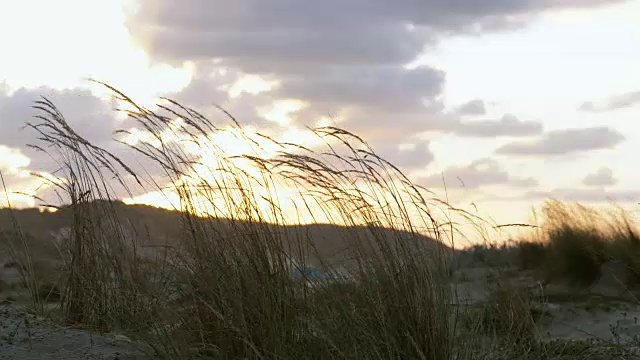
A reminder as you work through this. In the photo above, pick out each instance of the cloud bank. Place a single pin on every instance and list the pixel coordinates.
(483, 172)
(567, 141)
(602, 177)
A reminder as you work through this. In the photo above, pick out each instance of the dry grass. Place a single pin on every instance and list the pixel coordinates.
(225, 289)
(531, 255)
(575, 241)
(509, 312)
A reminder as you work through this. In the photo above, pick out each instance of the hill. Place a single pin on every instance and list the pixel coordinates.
(151, 228)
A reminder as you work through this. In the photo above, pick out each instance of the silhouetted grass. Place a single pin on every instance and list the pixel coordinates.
(509, 313)
(224, 289)
(575, 241)
(531, 254)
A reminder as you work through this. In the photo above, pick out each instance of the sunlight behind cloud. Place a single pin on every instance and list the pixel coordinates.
(162, 199)
(223, 173)
(13, 161)
(17, 200)
(280, 110)
(25, 188)
(250, 84)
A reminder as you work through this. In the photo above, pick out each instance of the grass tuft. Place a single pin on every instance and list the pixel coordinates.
(575, 242)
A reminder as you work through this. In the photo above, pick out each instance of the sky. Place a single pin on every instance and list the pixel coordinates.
(503, 103)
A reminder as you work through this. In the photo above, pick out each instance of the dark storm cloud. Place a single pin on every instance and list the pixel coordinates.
(602, 177)
(613, 103)
(567, 141)
(479, 173)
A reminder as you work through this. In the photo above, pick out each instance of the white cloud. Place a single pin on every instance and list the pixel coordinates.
(473, 107)
(586, 195)
(479, 173)
(567, 141)
(602, 177)
(613, 103)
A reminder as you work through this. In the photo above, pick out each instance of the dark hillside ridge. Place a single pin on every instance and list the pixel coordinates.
(153, 227)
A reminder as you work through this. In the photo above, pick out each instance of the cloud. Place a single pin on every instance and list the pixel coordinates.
(413, 156)
(508, 125)
(372, 97)
(479, 173)
(567, 141)
(344, 58)
(593, 195)
(260, 35)
(210, 88)
(602, 177)
(389, 88)
(19, 183)
(388, 126)
(614, 103)
(473, 107)
(206, 86)
(88, 115)
(12, 161)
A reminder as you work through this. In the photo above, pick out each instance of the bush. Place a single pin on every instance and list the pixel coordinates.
(625, 248)
(577, 241)
(577, 255)
(531, 255)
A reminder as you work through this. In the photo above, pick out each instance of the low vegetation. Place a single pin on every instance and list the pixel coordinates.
(575, 242)
(509, 313)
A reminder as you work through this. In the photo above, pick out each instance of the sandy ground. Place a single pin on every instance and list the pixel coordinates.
(605, 311)
(24, 336)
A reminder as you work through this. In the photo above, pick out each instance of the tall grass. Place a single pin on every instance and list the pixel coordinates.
(224, 289)
(575, 241)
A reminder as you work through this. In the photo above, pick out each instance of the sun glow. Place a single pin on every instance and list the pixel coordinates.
(280, 111)
(13, 161)
(224, 181)
(25, 188)
(66, 42)
(251, 84)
